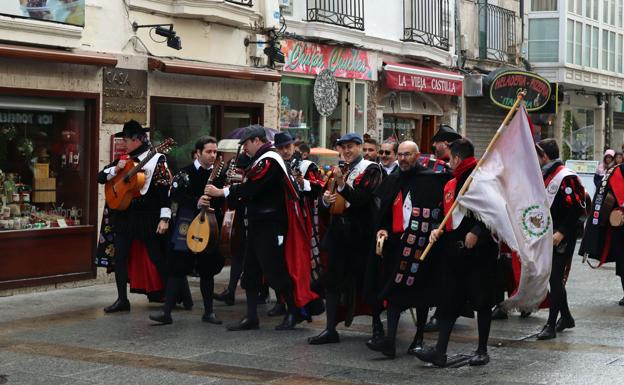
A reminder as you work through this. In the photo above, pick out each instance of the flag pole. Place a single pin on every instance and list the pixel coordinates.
(448, 215)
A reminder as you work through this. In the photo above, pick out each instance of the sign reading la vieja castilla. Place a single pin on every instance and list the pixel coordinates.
(311, 59)
(506, 84)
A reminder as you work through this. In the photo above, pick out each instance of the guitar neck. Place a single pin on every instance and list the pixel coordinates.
(142, 163)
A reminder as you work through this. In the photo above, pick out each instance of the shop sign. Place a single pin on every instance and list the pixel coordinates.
(124, 95)
(410, 78)
(344, 62)
(26, 118)
(505, 86)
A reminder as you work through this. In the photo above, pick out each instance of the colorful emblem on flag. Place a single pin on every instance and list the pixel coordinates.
(435, 213)
(535, 221)
(407, 251)
(414, 225)
(414, 267)
(421, 241)
(426, 213)
(411, 239)
(415, 211)
(398, 278)
(403, 265)
(425, 227)
(410, 281)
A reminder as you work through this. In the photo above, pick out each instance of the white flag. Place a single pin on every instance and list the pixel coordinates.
(508, 195)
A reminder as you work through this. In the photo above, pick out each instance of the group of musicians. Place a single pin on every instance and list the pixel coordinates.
(348, 245)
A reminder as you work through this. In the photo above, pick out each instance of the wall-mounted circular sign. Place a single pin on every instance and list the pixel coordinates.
(506, 84)
(325, 92)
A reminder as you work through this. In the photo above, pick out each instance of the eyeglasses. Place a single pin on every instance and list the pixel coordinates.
(384, 152)
(404, 154)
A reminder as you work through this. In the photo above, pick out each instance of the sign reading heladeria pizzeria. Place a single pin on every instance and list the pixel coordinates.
(506, 84)
(124, 95)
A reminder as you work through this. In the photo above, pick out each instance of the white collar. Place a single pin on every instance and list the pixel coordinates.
(199, 165)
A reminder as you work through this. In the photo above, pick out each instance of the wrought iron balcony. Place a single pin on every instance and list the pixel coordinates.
(497, 32)
(427, 22)
(345, 13)
(248, 3)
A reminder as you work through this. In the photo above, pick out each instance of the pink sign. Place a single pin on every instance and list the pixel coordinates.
(311, 59)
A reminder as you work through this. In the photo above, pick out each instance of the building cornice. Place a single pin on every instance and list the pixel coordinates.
(40, 32)
(581, 78)
(208, 10)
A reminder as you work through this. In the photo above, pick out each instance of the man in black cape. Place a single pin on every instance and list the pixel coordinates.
(410, 206)
(604, 233)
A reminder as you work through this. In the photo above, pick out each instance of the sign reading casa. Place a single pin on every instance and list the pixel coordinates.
(506, 84)
(311, 59)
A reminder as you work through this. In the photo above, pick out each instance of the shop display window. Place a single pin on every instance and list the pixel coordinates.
(185, 123)
(45, 174)
(298, 115)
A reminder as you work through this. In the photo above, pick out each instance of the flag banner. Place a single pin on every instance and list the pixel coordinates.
(507, 194)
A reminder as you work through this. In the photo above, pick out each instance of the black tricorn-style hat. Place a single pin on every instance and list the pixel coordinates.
(132, 129)
(253, 131)
(446, 133)
(282, 139)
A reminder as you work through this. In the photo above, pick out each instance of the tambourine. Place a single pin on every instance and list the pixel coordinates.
(616, 218)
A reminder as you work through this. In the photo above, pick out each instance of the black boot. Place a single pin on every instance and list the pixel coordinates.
(565, 323)
(161, 318)
(416, 346)
(385, 345)
(117, 306)
(288, 323)
(432, 325)
(211, 318)
(326, 337)
(277, 310)
(378, 331)
(431, 355)
(244, 324)
(499, 314)
(225, 296)
(480, 359)
(547, 333)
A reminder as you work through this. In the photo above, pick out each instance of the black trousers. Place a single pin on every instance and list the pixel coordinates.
(264, 256)
(558, 294)
(123, 242)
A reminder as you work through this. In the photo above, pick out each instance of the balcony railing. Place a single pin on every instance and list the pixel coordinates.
(427, 22)
(345, 13)
(248, 3)
(497, 32)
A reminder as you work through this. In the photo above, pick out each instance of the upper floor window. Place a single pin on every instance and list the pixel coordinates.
(497, 32)
(345, 13)
(543, 5)
(544, 40)
(66, 12)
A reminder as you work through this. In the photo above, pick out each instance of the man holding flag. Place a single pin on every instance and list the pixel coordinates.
(507, 197)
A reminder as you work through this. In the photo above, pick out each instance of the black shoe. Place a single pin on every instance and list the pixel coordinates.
(211, 319)
(499, 313)
(277, 310)
(415, 347)
(385, 345)
(244, 324)
(225, 296)
(432, 326)
(118, 306)
(161, 318)
(288, 323)
(565, 323)
(547, 333)
(326, 337)
(480, 359)
(378, 330)
(525, 314)
(429, 354)
(188, 306)
(621, 303)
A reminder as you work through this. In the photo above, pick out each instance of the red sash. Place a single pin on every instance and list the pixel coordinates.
(397, 214)
(552, 176)
(449, 199)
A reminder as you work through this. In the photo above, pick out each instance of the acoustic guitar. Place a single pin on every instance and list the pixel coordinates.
(128, 183)
(203, 232)
(339, 206)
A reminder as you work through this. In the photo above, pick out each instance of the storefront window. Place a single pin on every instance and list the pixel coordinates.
(185, 123)
(404, 128)
(578, 134)
(337, 121)
(45, 175)
(360, 108)
(297, 112)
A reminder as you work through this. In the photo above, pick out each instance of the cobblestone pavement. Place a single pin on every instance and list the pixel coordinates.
(63, 337)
